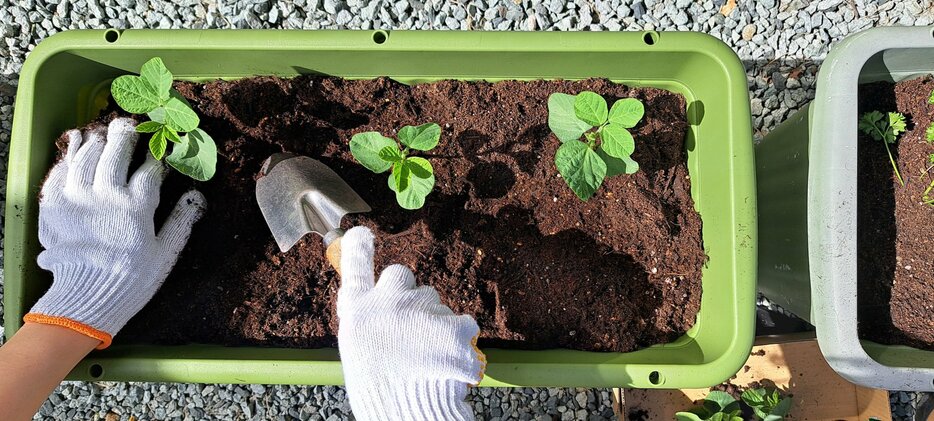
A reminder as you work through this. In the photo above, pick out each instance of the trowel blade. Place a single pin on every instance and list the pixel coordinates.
(298, 195)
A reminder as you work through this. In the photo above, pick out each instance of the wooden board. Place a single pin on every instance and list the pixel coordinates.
(798, 368)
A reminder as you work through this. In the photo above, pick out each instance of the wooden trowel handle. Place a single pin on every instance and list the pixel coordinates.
(334, 254)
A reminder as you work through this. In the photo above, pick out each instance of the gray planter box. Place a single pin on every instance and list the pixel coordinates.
(806, 171)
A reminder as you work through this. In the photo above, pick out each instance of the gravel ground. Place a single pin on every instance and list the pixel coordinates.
(780, 41)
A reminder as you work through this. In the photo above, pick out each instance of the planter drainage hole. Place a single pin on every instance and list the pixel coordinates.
(379, 37)
(655, 378)
(650, 37)
(96, 371)
(111, 35)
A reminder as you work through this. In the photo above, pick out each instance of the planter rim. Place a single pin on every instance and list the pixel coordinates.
(832, 226)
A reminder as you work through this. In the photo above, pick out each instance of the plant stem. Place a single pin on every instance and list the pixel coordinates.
(926, 196)
(892, 160)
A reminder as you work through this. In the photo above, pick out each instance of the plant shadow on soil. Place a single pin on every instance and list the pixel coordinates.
(875, 215)
(560, 277)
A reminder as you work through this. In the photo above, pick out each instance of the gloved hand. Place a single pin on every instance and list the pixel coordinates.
(99, 234)
(406, 356)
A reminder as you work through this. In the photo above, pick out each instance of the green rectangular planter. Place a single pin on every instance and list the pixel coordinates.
(65, 72)
(807, 172)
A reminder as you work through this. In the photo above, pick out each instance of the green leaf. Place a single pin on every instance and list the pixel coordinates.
(929, 133)
(176, 113)
(170, 134)
(195, 156)
(896, 124)
(581, 168)
(158, 76)
(419, 188)
(422, 138)
(627, 112)
(420, 167)
(782, 408)
(931, 99)
(562, 120)
(722, 399)
(616, 166)
(390, 153)
(365, 148)
(149, 127)
(400, 176)
(753, 397)
(868, 124)
(590, 108)
(687, 416)
(617, 142)
(157, 144)
(135, 95)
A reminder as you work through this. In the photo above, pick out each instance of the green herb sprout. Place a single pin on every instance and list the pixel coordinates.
(717, 406)
(194, 153)
(412, 177)
(767, 406)
(607, 145)
(927, 197)
(884, 127)
(929, 133)
(721, 406)
(931, 99)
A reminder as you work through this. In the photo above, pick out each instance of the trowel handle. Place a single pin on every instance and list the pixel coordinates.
(334, 254)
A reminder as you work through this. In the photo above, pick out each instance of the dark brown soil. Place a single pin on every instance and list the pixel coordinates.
(501, 237)
(895, 242)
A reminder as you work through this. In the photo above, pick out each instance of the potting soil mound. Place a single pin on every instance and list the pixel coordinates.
(895, 240)
(501, 237)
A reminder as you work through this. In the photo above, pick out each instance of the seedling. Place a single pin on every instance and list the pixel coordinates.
(717, 406)
(767, 406)
(929, 133)
(595, 143)
(411, 177)
(884, 127)
(927, 197)
(171, 120)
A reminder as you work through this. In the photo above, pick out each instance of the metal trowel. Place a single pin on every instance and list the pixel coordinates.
(298, 195)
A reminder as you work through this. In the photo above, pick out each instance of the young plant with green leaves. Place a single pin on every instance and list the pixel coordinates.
(717, 406)
(171, 120)
(595, 142)
(411, 177)
(767, 406)
(884, 127)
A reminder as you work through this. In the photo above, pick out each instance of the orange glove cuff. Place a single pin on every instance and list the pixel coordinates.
(79, 327)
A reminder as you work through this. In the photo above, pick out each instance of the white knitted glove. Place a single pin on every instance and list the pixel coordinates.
(406, 356)
(99, 235)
